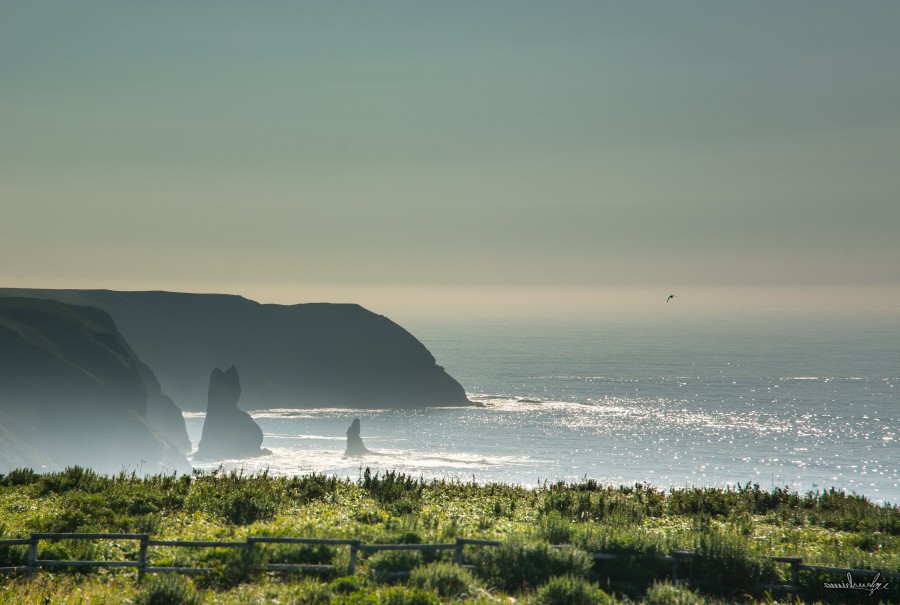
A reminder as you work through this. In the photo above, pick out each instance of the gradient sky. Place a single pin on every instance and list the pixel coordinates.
(409, 154)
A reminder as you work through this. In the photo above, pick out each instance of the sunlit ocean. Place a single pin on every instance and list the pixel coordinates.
(807, 404)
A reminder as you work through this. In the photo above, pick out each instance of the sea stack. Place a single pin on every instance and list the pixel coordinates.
(355, 445)
(228, 432)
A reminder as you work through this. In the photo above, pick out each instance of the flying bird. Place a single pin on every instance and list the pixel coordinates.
(671, 296)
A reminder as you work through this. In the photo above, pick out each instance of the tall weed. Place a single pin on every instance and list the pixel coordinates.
(569, 590)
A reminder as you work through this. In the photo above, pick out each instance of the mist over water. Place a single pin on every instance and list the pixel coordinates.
(800, 403)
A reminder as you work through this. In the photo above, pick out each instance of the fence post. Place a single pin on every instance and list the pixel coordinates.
(795, 572)
(459, 551)
(676, 557)
(32, 553)
(354, 550)
(142, 557)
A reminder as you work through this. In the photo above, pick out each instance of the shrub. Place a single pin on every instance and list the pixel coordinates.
(19, 476)
(570, 590)
(237, 566)
(554, 529)
(638, 554)
(369, 517)
(311, 488)
(82, 512)
(393, 487)
(392, 561)
(446, 579)
(146, 524)
(665, 592)
(407, 537)
(558, 499)
(345, 585)
(169, 589)
(237, 499)
(72, 478)
(726, 562)
(404, 506)
(514, 564)
(245, 507)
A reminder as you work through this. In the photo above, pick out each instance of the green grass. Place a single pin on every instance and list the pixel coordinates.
(733, 531)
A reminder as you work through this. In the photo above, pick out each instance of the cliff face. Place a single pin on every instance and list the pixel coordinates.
(290, 356)
(71, 392)
(162, 413)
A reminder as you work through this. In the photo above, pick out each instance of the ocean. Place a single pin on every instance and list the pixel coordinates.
(790, 402)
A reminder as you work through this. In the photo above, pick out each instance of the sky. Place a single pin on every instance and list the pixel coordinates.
(434, 158)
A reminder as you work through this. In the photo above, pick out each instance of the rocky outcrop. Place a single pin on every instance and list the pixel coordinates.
(289, 355)
(72, 392)
(355, 445)
(228, 432)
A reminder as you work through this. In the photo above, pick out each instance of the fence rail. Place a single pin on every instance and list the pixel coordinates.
(356, 547)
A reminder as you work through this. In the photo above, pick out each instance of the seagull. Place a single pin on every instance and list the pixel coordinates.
(671, 296)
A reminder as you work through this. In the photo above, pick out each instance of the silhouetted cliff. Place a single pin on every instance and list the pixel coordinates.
(290, 356)
(71, 392)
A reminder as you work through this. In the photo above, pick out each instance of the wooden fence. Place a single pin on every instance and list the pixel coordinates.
(356, 547)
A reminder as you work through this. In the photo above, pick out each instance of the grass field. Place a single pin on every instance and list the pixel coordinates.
(733, 533)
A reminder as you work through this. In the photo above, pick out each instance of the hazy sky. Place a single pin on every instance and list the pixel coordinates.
(422, 152)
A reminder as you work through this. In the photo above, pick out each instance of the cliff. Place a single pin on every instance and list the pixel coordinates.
(290, 355)
(71, 392)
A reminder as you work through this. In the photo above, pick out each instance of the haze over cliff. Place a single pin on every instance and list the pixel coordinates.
(73, 392)
(314, 354)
